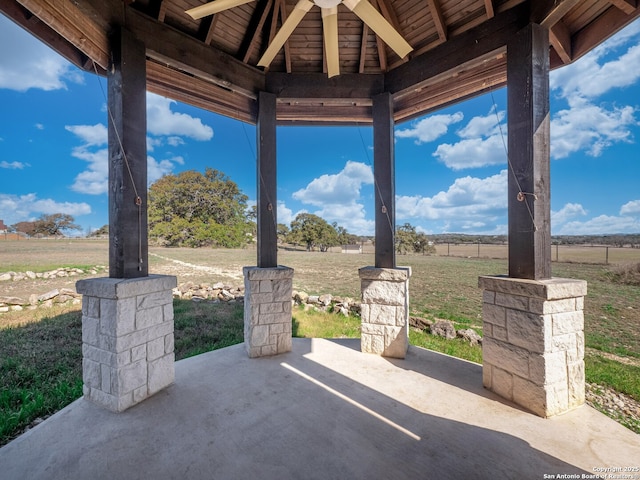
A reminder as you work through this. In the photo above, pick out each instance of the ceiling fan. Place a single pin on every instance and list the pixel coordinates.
(329, 9)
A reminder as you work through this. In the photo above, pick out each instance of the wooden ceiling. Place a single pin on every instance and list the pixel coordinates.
(459, 50)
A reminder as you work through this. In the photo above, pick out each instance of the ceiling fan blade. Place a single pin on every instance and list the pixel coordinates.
(330, 31)
(214, 7)
(376, 22)
(287, 28)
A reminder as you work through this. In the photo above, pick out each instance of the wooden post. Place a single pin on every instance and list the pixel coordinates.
(267, 181)
(384, 180)
(127, 111)
(528, 120)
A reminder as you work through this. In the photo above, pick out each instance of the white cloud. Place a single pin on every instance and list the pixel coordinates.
(13, 165)
(285, 214)
(469, 204)
(483, 126)
(162, 121)
(340, 188)
(29, 63)
(588, 127)
(601, 225)
(570, 210)
(18, 208)
(430, 128)
(593, 76)
(631, 208)
(91, 135)
(472, 153)
(338, 197)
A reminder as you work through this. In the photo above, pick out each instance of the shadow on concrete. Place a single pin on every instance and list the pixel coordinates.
(323, 411)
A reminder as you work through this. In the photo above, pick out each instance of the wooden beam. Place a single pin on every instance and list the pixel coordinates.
(267, 181)
(549, 12)
(64, 17)
(529, 177)
(560, 39)
(384, 181)
(127, 112)
(178, 50)
(363, 47)
(489, 37)
(317, 85)
(47, 35)
(488, 6)
(438, 19)
(627, 6)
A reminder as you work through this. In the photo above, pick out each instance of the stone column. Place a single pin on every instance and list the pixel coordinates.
(533, 345)
(267, 310)
(385, 311)
(127, 339)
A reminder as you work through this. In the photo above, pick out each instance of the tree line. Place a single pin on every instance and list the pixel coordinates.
(194, 209)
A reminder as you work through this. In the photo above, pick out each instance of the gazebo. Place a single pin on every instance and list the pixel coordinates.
(378, 62)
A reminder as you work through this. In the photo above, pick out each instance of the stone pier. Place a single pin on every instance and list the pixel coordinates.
(533, 345)
(267, 310)
(127, 339)
(385, 311)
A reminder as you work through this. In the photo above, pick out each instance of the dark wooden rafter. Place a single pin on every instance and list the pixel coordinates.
(254, 31)
(162, 10)
(438, 19)
(208, 28)
(529, 157)
(128, 227)
(390, 15)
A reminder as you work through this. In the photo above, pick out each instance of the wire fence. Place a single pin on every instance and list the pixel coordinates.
(597, 254)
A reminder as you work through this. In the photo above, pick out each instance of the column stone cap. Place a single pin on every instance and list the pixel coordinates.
(398, 274)
(107, 287)
(270, 273)
(548, 289)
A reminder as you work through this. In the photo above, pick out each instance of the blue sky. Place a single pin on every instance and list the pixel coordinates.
(450, 166)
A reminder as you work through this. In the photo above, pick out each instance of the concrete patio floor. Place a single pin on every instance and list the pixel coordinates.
(323, 411)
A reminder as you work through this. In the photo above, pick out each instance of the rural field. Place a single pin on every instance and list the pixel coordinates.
(441, 286)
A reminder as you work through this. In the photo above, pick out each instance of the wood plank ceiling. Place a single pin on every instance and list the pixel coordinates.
(459, 50)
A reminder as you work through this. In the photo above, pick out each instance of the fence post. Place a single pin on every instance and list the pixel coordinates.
(606, 260)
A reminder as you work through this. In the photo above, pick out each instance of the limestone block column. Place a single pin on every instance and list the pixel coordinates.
(127, 339)
(267, 310)
(533, 345)
(385, 311)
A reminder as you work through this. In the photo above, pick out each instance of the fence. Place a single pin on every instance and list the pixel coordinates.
(599, 254)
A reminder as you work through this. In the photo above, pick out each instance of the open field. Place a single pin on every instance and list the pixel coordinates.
(45, 351)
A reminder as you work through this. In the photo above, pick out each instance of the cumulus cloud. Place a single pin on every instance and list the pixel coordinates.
(570, 210)
(17, 208)
(470, 203)
(590, 128)
(482, 144)
(164, 125)
(29, 63)
(631, 208)
(593, 75)
(430, 128)
(162, 121)
(338, 196)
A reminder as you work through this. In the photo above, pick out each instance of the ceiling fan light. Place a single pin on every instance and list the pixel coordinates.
(327, 3)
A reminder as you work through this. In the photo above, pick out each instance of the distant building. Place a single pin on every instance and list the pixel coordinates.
(3, 227)
(352, 249)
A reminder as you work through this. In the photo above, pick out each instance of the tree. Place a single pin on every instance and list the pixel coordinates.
(52, 225)
(409, 240)
(313, 231)
(101, 232)
(195, 210)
